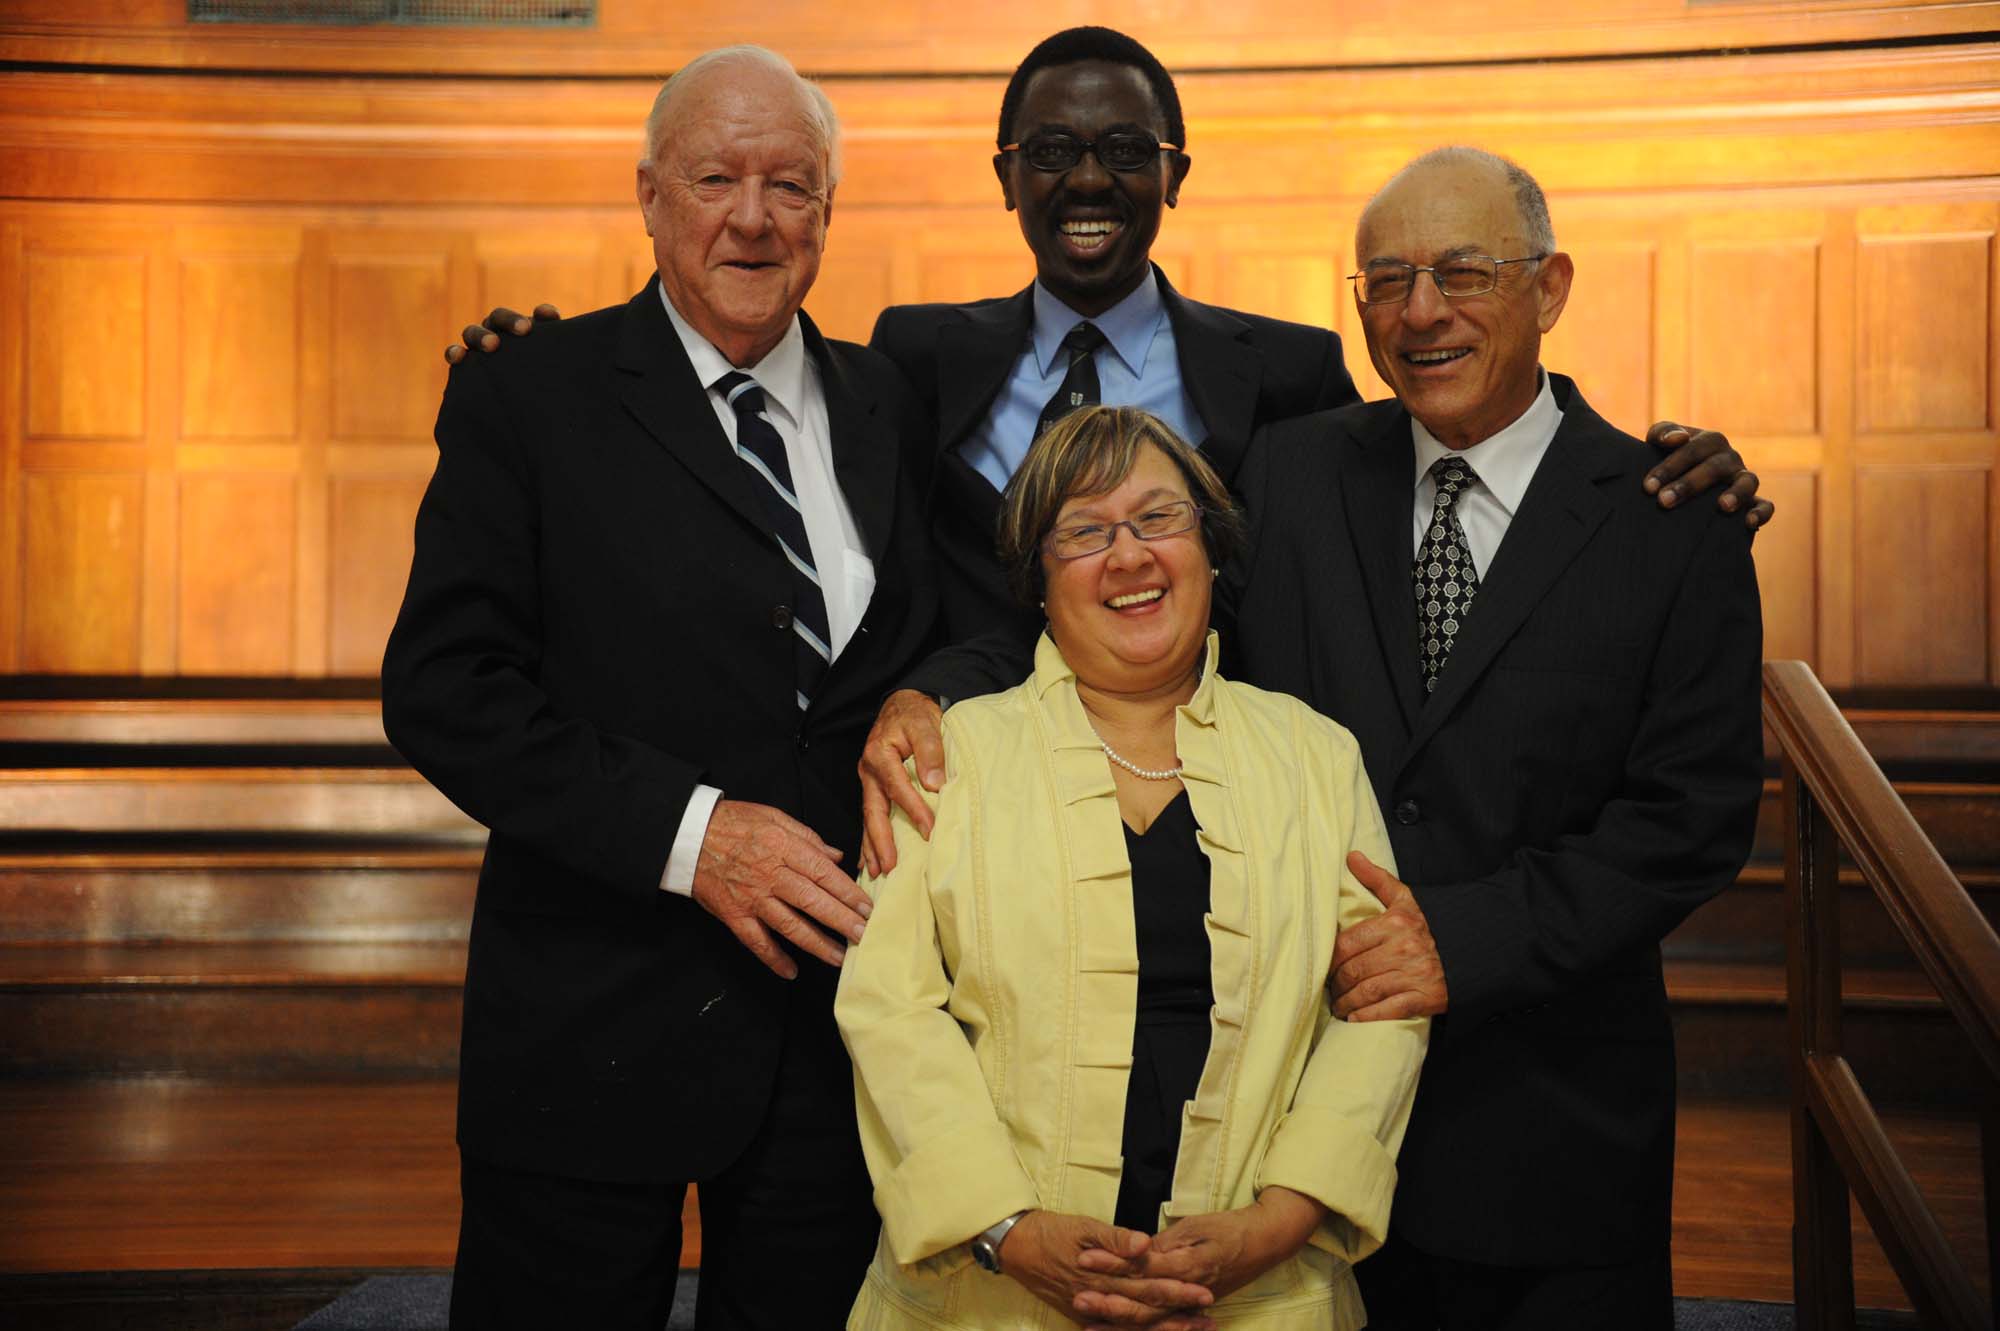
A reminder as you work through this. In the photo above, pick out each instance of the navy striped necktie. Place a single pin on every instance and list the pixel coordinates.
(763, 452)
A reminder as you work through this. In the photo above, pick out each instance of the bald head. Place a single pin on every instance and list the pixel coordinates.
(749, 66)
(1458, 167)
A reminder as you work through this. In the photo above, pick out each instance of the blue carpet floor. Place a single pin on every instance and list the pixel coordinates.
(419, 1303)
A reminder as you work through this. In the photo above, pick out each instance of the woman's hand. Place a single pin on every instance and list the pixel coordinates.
(1065, 1259)
(1222, 1251)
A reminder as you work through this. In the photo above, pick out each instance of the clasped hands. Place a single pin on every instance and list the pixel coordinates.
(1105, 1277)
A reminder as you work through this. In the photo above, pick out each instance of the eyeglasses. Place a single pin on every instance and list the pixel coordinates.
(1384, 283)
(1126, 150)
(1154, 524)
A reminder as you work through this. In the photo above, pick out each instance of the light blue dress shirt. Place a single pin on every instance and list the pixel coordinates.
(1136, 367)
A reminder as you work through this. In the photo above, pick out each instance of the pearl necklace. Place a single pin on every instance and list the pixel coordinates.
(1147, 773)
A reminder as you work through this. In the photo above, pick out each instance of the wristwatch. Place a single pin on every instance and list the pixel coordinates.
(986, 1244)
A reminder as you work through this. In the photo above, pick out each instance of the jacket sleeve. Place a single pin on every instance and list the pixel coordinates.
(1677, 832)
(1337, 1141)
(943, 1163)
(460, 694)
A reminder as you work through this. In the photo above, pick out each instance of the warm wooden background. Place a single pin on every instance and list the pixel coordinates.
(229, 258)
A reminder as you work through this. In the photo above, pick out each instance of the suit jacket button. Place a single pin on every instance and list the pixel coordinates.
(1408, 814)
(781, 616)
(800, 742)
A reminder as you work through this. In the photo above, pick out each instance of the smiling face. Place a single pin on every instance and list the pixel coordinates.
(1132, 619)
(1091, 228)
(1466, 366)
(737, 201)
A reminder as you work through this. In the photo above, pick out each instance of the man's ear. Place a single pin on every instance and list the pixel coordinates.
(648, 192)
(1178, 165)
(1552, 289)
(826, 209)
(1006, 177)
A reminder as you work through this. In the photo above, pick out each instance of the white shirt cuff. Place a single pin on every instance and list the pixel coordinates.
(679, 875)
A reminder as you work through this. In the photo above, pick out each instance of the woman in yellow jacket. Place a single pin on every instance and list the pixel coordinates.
(1096, 1070)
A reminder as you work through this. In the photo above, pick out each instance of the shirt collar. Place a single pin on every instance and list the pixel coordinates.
(1504, 462)
(1128, 326)
(781, 374)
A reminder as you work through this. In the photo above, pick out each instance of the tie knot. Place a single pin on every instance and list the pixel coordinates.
(1452, 475)
(743, 393)
(1083, 339)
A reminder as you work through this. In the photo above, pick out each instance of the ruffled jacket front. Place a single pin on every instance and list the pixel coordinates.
(989, 1009)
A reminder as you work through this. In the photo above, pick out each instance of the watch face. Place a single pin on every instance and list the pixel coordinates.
(982, 1252)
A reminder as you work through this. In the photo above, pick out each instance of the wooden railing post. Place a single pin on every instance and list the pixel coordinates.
(1822, 1237)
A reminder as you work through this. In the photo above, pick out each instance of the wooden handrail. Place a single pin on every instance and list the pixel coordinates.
(1835, 796)
(1951, 939)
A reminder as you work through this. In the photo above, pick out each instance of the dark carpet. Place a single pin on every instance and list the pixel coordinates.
(420, 1302)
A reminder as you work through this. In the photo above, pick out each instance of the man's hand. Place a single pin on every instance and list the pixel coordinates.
(909, 723)
(1221, 1252)
(486, 336)
(1701, 460)
(1064, 1260)
(759, 868)
(1387, 966)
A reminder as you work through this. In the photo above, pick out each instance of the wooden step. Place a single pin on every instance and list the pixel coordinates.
(240, 1010)
(341, 802)
(193, 722)
(173, 1175)
(1961, 817)
(385, 893)
(1747, 921)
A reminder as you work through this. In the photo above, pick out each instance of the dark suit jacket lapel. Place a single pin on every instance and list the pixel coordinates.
(865, 448)
(663, 394)
(973, 359)
(1377, 500)
(1558, 514)
(1222, 374)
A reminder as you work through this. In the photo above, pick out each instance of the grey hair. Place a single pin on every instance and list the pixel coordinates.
(819, 107)
(1529, 200)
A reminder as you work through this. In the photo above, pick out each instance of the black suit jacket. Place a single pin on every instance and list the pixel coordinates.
(590, 630)
(1586, 774)
(1242, 371)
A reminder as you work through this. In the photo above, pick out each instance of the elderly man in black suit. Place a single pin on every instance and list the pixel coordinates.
(671, 558)
(1555, 689)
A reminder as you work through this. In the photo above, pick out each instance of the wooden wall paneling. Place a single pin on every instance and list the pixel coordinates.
(1753, 335)
(1839, 629)
(392, 304)
(1289, 263)
(369, 538)
(13, 333)
(85, 348)
(1604, 339)
(857, 275)
(521, 267)
(237, 577)
(1787, 555)
(239, 333)
(1925, 323)
(1920, 539)
(81, 553)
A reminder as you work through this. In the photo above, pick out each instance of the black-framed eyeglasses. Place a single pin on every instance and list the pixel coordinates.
(1385, 283)
(1123, 150)
(1156, 523)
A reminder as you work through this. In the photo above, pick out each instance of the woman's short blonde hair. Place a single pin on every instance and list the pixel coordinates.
(1090, 452)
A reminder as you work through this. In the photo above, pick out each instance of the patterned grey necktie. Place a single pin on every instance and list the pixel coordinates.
(1443, 573)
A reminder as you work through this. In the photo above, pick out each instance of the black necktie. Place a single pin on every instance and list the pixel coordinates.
(1443, 573)
(763, 452)
(1079, 386)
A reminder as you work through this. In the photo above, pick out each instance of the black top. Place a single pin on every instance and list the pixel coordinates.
(1170, 1038)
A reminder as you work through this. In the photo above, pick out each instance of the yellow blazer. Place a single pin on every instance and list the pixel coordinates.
(989, 1009)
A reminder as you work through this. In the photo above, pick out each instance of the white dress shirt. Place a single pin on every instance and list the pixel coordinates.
(795, 405)
(1504, 463)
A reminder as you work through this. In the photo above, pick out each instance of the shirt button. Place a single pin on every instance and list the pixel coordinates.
(1408, 814)
(781, 616)
(800, 742)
